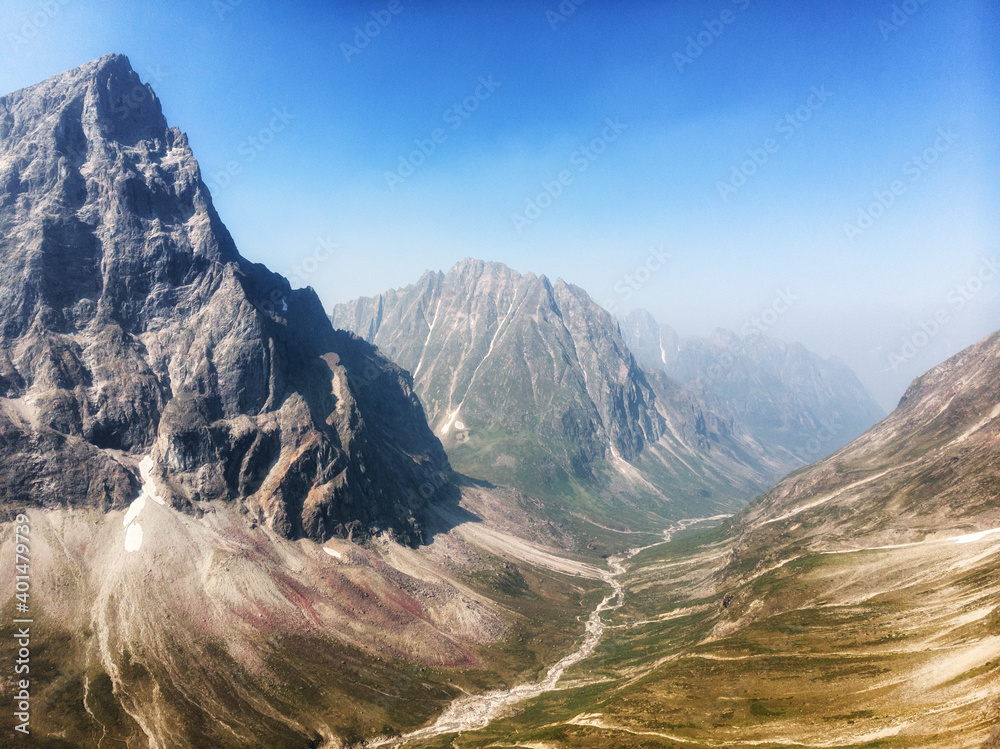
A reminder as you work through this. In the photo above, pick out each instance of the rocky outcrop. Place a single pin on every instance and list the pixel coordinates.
(130, 325)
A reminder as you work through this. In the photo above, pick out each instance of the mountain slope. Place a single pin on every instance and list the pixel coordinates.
(130, 325)
(853, 605)
(529, 383)
(485, 339)
(786, 396)
(242, 531)
(928, 470)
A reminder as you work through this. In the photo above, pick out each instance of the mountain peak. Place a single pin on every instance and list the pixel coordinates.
(474, 268)
(131, 328)
(492, 330)
(101, 101)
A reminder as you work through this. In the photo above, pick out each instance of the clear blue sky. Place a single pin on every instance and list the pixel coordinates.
(886, 89)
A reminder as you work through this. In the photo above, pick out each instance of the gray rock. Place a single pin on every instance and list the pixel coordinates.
(130, 325)
(535, 365)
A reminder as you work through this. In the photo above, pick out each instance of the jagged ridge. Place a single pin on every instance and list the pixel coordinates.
(129, 324)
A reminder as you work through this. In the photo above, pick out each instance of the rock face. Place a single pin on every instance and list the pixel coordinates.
(130, 325)
(498, 357)
(529, 383)
(787, 397)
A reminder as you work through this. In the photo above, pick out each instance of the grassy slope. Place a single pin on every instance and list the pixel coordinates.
(891, 648)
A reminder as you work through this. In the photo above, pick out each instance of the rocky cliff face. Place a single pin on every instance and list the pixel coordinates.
(499, 357)
(529, 383)
(130, 325)
(788, 398)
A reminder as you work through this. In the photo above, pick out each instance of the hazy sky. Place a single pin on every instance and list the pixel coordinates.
(754, 142)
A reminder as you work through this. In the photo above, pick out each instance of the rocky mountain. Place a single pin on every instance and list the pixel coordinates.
(224, 495)
(130, 326)
(242, 531)
(853, 605)
(491, 349)
(786, 396)
(528, 382)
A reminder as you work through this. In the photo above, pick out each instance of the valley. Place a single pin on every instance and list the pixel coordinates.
(475, 511)
(869, 648)
(821, 615)
(477, 712)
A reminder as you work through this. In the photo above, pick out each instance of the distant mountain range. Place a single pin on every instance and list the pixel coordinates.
(786, 396)
(926, 471)
(529, 382)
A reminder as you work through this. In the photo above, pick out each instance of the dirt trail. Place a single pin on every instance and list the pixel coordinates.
(475, 712)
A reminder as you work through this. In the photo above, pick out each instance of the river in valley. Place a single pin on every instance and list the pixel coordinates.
(475, 712)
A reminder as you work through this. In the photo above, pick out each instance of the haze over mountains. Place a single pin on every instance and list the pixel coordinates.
(785, 394)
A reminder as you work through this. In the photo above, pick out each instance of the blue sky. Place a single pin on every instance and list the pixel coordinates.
(747, 138)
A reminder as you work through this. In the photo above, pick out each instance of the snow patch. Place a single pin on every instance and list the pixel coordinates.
(973, 537)
(133, 537)
(134, 509)
(133, 531)
(148, 487)
(339, 391)
(452, 418)
(333, 553)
